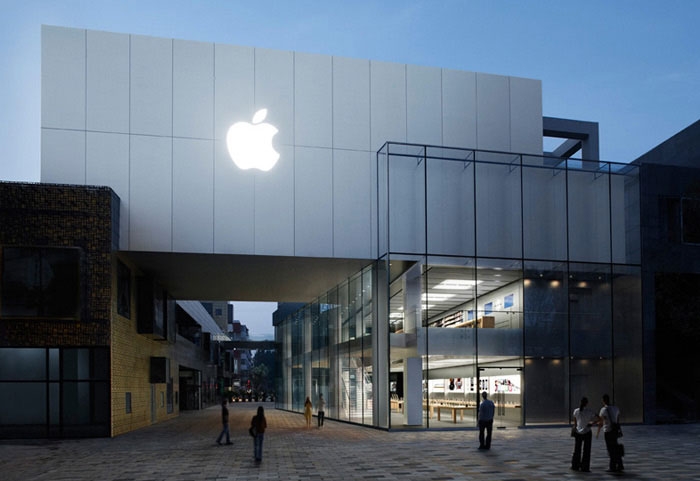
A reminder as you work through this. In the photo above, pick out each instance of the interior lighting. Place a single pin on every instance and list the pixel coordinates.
(554, 283)
(436, 297)
(457, 284)
(395, 315)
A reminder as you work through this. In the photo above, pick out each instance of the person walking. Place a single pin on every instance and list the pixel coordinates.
(485, 417)
(258, 425)
(307, 411)
(224, 421)
(584, 418)
(610, 420)
(321, 410)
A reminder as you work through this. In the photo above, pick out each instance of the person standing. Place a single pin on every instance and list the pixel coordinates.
(610, 416)
(584, 418)
(307, 411)
(258, 424)
(224, 421)
(321, 410)
(485, 417)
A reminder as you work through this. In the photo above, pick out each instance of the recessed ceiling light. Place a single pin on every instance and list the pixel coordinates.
(436, 297)
(457, 284)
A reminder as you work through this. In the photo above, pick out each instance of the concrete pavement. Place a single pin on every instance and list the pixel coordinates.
(185, 449)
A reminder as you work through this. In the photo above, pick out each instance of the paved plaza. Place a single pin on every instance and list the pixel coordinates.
(185, 449)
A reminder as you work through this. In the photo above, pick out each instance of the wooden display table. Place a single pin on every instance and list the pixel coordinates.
(453, 406)
(484, 321)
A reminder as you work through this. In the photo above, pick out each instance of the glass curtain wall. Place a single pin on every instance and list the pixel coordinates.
(513, 274)
(331, 345)
(535, 262)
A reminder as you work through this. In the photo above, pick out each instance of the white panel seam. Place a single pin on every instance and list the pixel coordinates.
(294, 152)
(213, 149)
(128, 169)
(85, 160)
(172, 145)
(332, 157)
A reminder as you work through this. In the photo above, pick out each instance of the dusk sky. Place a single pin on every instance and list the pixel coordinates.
(631, 65)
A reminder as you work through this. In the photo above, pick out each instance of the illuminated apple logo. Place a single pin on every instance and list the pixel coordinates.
(250, 144)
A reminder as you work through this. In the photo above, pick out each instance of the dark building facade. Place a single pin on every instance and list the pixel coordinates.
(56, 245)
(670, 191)
(90, 344)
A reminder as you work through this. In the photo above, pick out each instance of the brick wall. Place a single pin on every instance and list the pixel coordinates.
(50, 215)
(131, 354)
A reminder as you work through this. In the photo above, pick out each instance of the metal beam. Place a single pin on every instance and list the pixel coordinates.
(259, 345)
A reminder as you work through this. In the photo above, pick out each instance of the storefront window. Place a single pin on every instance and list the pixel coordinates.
(77, 402)
(590, 310)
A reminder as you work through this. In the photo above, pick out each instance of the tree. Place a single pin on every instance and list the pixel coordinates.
(263, 372)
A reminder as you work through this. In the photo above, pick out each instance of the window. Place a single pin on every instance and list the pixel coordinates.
(123, 290)
(128, 403)
(690, 218)
(40, 282)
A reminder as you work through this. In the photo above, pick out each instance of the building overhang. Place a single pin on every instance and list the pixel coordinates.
(245, 277)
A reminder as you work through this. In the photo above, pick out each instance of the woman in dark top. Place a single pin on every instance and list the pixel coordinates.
(259, 423)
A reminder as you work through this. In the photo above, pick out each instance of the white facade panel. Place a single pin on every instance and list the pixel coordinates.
(151, 86)
(387, 103)
(459, 109)
(107, 82)
(526, 116)
(234, 86)
(274, 91)
(423, 105)
(150, 194)
(107, 163)
(493, 112)
(234, 205)
(352, 206)
(313, 100)
(313, 202)
(193, 89)
(62, 78)
(351, 104)
(274, 207)
(332, 115)
(63, 156)
(193, 195)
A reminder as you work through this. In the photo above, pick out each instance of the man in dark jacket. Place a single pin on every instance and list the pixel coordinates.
(224, 421)
(486, 412)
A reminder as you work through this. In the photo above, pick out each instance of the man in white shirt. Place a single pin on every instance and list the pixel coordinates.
(610, 416)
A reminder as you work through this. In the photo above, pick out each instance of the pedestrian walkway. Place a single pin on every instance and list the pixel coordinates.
(185, 449)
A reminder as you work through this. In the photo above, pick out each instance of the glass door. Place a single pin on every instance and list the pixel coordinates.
(504, 388)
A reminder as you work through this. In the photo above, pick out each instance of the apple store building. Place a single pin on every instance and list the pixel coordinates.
(439, 251)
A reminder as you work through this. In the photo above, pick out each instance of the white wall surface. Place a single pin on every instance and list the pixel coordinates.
(148, 117)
